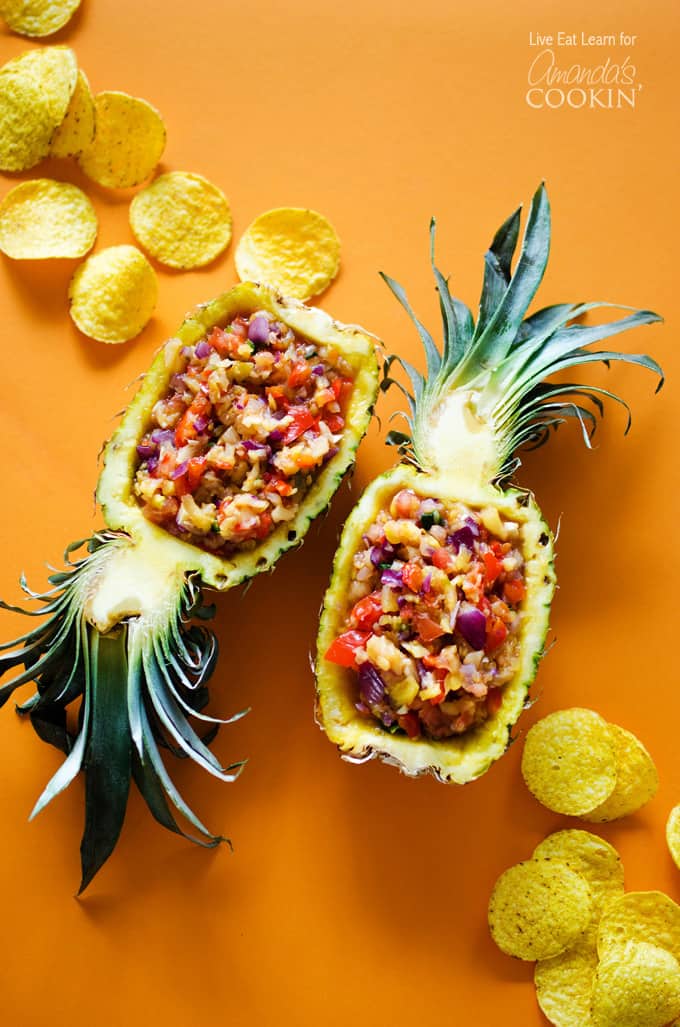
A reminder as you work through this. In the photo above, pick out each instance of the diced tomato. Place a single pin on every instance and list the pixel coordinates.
(302, 419)
(410, 722)
(405, 504)
(324, 396)
(200, 406)
(443, 559)
(166, 464)
(280, 485)
(239, 326)
(437, 699)
(343, 650)
(195, 471)
(514, 591)
(496, 633)
(300, 374)
(492, 568)
(335, 422)
(494, 700)
(484, 606)
(412, 575)
(427, 628)
(276, 397)
(226, 343)
(436, 662)
(367, 611)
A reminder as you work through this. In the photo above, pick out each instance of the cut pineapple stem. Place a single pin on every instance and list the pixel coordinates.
(485, 395)
(139, 671)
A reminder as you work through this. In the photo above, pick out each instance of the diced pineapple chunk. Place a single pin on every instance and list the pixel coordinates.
(404, 692)
(386, 656)
(402, 531)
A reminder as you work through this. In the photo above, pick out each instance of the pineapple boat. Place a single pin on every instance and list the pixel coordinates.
(244, 427)
(436, 615)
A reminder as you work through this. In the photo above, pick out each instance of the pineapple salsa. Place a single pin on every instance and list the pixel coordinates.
(432, 628)
(234, 446)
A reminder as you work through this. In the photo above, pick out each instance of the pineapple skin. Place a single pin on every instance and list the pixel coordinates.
(468, 756)
(169, 557)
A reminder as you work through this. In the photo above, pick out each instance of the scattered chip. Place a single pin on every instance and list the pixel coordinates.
(128, 143)
(538, 909)
(37, 17)
(673, 834)
(77, 129)
(591, 857)
(35, 92)
(637, 780)
(43, 218)
(569, 761)
(113, 294)
(636, 985)
(564, 986)
(648, 916)
(182, 220)
(296, 251)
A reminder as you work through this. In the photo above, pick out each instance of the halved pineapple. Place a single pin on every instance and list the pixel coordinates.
(436, 615)
(241, 432)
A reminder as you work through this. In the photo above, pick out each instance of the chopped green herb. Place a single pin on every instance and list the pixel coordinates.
(430, 518)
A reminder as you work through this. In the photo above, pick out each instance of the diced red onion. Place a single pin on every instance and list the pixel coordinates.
(146, 450)
(454, 615)
(391, 578)
(330, 454)
(463, 537)
(201, 422)
(361, 707)
(152, 464)
(471, 623)
(258, 330)
(161, 435)
(318, 370)
(275, 436)
(387, 717)
(426, 586)
(473, 525)
(203, 349)
(371, 685)
(179, 470)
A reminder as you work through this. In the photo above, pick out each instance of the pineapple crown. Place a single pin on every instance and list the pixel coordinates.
(497, 368)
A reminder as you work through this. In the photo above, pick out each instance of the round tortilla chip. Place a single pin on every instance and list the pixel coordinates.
(673, 834)
(538, 909)
(294, 250)
(564, 986)
(113, 294)
(648, 916)
(569, 761)
(637, 780)
(636, 985)
(35, 91)
(43, 218)
(37, 18)
(128, 142)
(181, 219)
(77, 129)
(590, 856)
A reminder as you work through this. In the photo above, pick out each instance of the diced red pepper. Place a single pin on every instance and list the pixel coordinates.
(280, 485)
(343, 649)
(277, 397)
(496, 633)
(492, 568)
(200, 406)
(427, 628)
(335, 422)
(410, 722)
(264, 525)
(195, 471)
(494, 700)
(443, 559)
(302, 419)
(341, 388)
(514, 591)
(300, 374)
(367, 611)
(412, 574)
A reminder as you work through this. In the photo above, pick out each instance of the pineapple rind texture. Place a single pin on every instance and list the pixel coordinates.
(468, 756)
(114, 490)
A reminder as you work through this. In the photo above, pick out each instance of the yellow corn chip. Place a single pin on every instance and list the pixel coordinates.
(128, 143)
(294, 250)
(77, 129)
(648, 916)
(43, 218)
(538, 909)
(569, 761)
(113, 294)
(37, 17)
(35, 92)
(591, 857)
(673, 834)
(181, 219)
(637, 779)
(564, 986)
(636, 985)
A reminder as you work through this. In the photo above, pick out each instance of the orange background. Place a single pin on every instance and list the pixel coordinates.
(353, 894)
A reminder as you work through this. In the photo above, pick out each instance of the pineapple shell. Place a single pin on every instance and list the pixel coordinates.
(464, 758)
